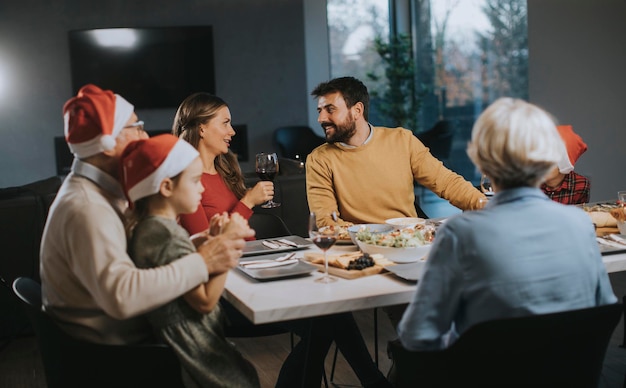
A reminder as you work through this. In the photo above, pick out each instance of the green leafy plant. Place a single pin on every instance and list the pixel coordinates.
(398, 97)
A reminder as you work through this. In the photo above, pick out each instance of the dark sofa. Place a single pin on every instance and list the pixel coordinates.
(23, 212)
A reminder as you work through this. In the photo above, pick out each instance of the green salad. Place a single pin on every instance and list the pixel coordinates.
(404, 238)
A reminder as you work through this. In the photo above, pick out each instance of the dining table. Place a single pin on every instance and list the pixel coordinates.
(266, 301)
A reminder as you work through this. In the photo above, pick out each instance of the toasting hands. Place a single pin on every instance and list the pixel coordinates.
(223, 243)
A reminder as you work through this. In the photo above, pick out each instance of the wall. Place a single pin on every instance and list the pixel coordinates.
(577, 51)
(260, 68)
(577, 61)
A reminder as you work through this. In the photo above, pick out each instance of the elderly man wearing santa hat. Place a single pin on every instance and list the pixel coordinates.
(562, 184)
(89, 283)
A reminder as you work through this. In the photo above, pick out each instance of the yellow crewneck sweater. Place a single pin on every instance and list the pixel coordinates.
(374, 182)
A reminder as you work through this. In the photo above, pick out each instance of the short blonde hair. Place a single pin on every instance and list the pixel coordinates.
(515, 143)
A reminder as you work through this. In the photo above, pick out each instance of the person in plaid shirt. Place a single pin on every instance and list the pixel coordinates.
(563, 185)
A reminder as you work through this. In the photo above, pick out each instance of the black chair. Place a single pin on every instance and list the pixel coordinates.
(69, 362)
(23, 213)
(296, 142)
(268, 225)
(438, 139)
(563, 349)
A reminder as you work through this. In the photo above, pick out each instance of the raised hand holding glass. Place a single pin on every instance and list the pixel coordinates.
(266, 169)
(486, 186)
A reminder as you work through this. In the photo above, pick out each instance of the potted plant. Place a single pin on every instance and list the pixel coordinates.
(399, 99)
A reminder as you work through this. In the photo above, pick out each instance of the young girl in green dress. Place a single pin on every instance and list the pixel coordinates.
(161, 177)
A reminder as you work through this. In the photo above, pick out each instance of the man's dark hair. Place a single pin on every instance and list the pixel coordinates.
(351, 89)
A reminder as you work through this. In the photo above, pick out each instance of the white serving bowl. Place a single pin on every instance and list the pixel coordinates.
(374, 228)
(398, 255)
(405, 222)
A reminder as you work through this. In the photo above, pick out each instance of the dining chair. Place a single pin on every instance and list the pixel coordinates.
(69, 362)
(332, 371)
(438, 139)
(268, 225)
(564, 349)
(296, 141)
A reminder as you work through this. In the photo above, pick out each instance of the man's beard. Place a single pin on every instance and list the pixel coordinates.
(343, 132)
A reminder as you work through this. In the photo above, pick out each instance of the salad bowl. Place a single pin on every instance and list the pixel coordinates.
(404, 246)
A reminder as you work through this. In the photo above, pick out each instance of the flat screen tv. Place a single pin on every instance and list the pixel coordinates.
(151, 67)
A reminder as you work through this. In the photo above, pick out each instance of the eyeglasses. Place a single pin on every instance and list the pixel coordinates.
(138, 126)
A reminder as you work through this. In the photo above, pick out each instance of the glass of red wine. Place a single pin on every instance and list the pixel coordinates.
(266, 169)
(324, 238)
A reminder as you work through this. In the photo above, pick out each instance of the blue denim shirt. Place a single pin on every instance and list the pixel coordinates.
(523, 254)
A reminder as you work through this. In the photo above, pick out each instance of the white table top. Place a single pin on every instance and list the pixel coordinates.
(302, 297)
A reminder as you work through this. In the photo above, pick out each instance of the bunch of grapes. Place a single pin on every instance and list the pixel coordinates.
(362, 262)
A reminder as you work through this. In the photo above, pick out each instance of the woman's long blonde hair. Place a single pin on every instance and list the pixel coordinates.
(195, 110)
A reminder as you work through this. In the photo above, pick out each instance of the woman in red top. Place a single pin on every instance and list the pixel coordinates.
(204, 121)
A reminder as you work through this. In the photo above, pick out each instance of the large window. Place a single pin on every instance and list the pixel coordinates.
(464, 55)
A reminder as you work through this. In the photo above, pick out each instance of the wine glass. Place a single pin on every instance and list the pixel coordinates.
(266, 169)
(323, 239)
(485, 185)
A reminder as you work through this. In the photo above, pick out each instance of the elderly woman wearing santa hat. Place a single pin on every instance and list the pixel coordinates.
(89, 283)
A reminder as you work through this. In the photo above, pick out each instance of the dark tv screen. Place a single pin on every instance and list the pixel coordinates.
(150, 67)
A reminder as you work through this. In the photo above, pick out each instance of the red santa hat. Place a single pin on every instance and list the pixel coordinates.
(146, 162)
(573, 147)
(93, 119)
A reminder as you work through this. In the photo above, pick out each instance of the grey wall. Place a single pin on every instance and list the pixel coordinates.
(577, 52)
(260, 68)
(266, 68)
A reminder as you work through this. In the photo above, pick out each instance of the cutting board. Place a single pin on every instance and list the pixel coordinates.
(342, 273)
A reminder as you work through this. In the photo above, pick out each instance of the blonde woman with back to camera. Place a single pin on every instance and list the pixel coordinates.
(492, 263)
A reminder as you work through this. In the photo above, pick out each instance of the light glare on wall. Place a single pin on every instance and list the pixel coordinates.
(4, 84)
(117, 37)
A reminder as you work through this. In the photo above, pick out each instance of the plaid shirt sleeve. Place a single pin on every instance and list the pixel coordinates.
(575, 189)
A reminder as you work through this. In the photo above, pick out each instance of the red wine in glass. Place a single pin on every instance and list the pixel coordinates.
(266, 175)
(324, 238)
(266, 169)
(324, 242)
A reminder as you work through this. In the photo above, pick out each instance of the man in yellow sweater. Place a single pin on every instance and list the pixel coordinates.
(367, 173)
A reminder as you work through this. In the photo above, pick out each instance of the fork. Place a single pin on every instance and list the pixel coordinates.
(285, 242)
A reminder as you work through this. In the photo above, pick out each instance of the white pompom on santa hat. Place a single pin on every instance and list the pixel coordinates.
(147, 162)
(93, 119)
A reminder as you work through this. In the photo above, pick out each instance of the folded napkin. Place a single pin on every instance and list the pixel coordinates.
(271, 264)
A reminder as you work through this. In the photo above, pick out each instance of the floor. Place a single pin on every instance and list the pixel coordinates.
(20, 366)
